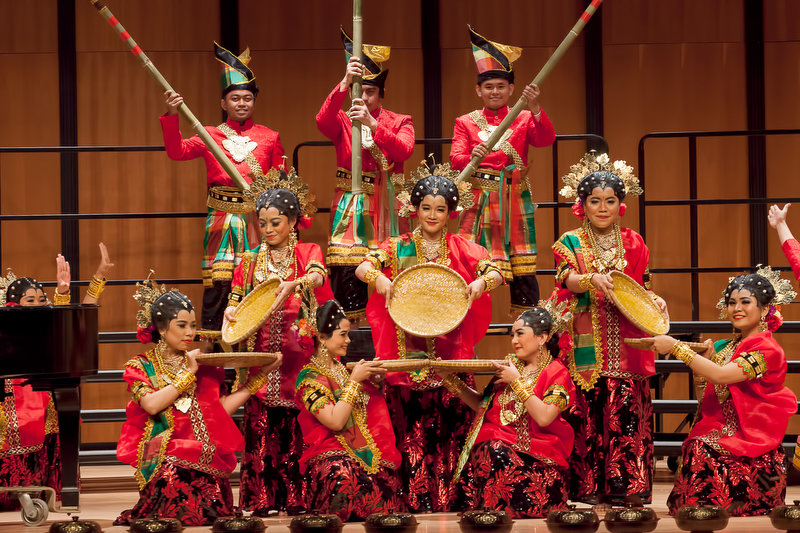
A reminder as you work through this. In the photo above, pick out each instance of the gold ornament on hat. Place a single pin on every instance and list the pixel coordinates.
(784, 293)
(592, 162)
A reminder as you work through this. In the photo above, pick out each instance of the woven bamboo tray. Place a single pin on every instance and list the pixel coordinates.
(428, 300)
(236, 359)
(637, 305)
(462, 365)
(647, 344)
(399, 365)
(251, 312)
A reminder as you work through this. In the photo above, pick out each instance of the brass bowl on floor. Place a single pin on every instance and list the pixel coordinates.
(316, 523)
(484, 520)
(239, 524)
(155, 525)
(786, 517)
(572, 520)
(391, 522)
(698, 518)
(631, 519)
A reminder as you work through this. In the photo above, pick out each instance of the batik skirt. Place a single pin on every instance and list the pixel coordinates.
(501, 478)
(745, 486)
(270, 472)
(613, 453)
(193, 497)
(431, 426)
(41, 467)
(338, 485)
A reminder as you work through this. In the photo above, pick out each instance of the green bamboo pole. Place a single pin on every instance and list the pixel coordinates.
(183, 109)
(472, 166)
(355, 176)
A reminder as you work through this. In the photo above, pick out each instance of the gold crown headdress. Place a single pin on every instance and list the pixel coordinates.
(592, 162)
(465, 199)
(559, 312)
(280, 179)
(147, 292)
(784, 293)
(4, 284)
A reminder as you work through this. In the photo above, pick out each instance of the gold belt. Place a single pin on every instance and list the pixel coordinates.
(228, 199)
(487, 179)
(344, 181)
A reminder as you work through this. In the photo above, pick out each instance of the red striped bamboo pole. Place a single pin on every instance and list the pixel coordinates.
(183, 109)
(472, 166)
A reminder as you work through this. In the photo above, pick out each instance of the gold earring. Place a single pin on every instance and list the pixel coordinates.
(762, 326)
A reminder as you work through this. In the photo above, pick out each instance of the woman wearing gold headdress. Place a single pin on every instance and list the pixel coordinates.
(734, 454)
(612, 414)
(271, 478)
(430, 423)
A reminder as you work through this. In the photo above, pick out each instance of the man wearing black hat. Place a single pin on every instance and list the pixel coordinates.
(231, 226)
(387, 142)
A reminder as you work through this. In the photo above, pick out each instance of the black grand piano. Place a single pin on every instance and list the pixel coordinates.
(54, 348)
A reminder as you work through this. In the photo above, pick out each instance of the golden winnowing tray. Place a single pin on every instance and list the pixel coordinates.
(236, 359)
(456, 365)
(428, 300)
(251, 312)
(399, 365)
(637, 305)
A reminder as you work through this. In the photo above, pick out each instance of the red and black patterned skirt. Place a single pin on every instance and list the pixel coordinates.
(501, 478)
(431, 427)
(193, 497)
(271, 478)
(745, 486)
(338, 485)
(42, 467)
(613, 453)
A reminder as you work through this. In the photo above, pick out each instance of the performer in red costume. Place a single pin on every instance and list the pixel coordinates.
(501, 217)
(387, 142)
(270, 473)
(430, 422)
(734, 454)
(351, 460)
(612, 413)
(515, 458)
(230, 226)
(179, 434)
(29, 442)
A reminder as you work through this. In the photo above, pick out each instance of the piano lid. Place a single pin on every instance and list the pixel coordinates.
(48, 342)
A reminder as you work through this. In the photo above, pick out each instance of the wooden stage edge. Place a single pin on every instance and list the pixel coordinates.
(107, 490)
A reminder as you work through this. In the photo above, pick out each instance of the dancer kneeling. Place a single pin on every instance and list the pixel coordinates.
(733, 456)
(179, 434)
(351, 459)
(516, 454)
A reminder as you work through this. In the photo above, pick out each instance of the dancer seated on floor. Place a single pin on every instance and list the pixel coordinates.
(516, 454)
(733, 456)
(30, 450)
(179, 434)
(351, 461)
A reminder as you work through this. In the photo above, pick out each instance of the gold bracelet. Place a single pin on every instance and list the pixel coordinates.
(256, 381)
(183, 381)
(521, 389)
(586, 281)
(490, 282)
(61, 299)
(350, 392)
(96, 287)
(371, 276)
(454, 384)
(682, 352)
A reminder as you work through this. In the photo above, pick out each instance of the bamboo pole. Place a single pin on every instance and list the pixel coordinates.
(355, 165)
(472, 166)
(183, 109)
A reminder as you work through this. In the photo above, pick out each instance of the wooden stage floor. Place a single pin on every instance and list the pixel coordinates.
(106, 490)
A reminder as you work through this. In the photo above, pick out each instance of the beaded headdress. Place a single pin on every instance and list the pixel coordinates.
(329, 315)
(281, 179)
(593, 163)
(784, 293)
(4, 284)
(463, 192)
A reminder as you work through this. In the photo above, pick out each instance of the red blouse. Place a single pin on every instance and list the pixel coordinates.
(791, 248)
(748, 418)
(26, 416)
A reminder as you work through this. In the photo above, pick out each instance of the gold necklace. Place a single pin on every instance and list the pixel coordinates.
(431, 251)
(530, 377)
(608, 250)
(169, 367)
(268, 265)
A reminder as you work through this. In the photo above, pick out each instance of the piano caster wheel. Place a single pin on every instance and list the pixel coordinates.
(35, 512)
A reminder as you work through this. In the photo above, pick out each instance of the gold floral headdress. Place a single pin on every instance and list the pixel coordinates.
(592, 162)
(784, 293)
(147, 292)
(4, 284)
(281, 179)
(423, 171)
(559, 312)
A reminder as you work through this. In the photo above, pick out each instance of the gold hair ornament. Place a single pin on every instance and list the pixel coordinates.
(592, 162)
(280, 179)
(784, 293)
(146, 293)
(4, 284)
(465, 199)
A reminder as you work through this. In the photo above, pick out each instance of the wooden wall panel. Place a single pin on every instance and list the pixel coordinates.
(27, 27)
